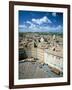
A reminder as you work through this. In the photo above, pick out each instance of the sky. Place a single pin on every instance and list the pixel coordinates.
(36, 21)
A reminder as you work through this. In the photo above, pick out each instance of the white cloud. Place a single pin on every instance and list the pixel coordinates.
(59, 27)
(22, 26)
(49, 28)
(41, 20)
(45, 28)
(29, 22)
(54, 14)
(37, 25)
(32, 26)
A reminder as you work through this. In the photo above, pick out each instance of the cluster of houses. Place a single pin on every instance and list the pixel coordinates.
(48, 49)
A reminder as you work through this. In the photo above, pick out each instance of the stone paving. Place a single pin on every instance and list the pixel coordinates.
(29, 70)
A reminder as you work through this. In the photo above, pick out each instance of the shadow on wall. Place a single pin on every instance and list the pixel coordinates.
(22, 54)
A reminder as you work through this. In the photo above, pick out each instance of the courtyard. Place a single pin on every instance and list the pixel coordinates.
(34, 69)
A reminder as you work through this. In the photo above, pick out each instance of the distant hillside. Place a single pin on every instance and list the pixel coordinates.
(40, 33)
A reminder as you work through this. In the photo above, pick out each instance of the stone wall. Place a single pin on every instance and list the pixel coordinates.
(40, 54)
(53, 60)
(45, 57)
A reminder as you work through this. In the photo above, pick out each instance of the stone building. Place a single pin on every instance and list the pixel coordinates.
(44, 52)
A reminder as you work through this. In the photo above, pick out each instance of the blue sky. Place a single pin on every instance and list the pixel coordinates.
(36, 21)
